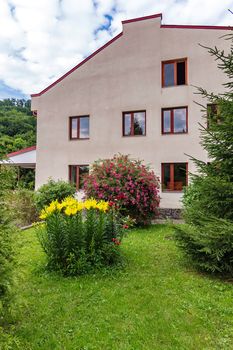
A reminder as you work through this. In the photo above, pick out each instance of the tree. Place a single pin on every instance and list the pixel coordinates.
(17, 131)
(208, 201)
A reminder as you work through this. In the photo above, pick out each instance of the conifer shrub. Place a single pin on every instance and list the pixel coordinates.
(132, 186)
(80, 237)
(209, 243)
(51, 191)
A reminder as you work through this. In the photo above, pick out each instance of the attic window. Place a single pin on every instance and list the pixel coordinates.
(174, 72)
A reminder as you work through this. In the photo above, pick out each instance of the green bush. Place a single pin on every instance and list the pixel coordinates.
(209, 244)
(7, 239)
(80, 237)
(21, 205)
(53, 190)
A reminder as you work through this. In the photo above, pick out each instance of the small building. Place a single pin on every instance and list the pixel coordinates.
(134, 95)
(25, 158)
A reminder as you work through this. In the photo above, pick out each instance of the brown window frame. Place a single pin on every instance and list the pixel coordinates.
(175, 61)
(77, 185)
(172, 176)
(132, 123)
(78, 127)
(210, 106)
(172, 121)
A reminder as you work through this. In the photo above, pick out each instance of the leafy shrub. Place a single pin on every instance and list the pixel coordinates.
(209, 244)
(7, 238)
(21, 205)
(51, 191)
(80, 236)
(126, 182)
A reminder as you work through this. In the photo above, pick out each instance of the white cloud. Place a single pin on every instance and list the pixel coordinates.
(41, 40)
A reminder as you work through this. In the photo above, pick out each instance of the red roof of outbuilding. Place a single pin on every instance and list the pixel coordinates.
(24, 150)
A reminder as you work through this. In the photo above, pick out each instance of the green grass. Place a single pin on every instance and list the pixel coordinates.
(156, 302)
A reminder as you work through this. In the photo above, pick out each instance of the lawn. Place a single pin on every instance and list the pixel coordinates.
(156, 302)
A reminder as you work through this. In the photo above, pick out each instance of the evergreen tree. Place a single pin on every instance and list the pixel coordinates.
(208, 201)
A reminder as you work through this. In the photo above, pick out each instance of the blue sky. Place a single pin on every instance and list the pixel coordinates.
(41, 40)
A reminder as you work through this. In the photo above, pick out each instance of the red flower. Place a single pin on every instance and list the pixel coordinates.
(116, 241)
(125, 226)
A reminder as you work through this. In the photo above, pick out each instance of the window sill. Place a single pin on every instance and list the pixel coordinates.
(133, 135)
(174, 133)
(170, 191)
(80, 139)
(171, 86)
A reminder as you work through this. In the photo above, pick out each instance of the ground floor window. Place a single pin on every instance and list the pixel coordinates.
(77, 175)
(174, 176)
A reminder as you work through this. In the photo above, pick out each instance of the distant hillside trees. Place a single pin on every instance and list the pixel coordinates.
(17, 125)
(17, 131)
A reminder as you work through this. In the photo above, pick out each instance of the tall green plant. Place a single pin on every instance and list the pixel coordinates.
(208, 201)
(7, 246)
(79, 237)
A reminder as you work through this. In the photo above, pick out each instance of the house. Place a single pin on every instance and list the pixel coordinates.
(134, 95)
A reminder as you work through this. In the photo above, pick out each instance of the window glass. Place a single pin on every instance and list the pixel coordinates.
(73, 174)
(83, 170)
(139, 123)
(179, 176)
(166, 177)
(180, 120)
(167, 121)
(84, 127)
(181, 73)
(169, 74)
(127, 124)
(174, 176)
(74, 128)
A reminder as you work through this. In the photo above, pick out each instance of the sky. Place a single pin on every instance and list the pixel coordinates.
(42, 40)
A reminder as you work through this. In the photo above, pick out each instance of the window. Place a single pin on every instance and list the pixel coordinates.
(79, 127)
(213, 114)
(174, 72)
(134, 123)
(77, 175)
(174, 176)
(175, 120)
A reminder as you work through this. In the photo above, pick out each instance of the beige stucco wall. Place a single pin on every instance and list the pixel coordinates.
(127, 76)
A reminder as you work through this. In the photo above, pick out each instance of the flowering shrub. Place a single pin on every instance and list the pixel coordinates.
(80, 236)
(127, 183)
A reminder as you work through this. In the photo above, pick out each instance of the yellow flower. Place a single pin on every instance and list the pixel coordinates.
(103, 206)
(50, 209)
(71, 211)
(90, 203)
